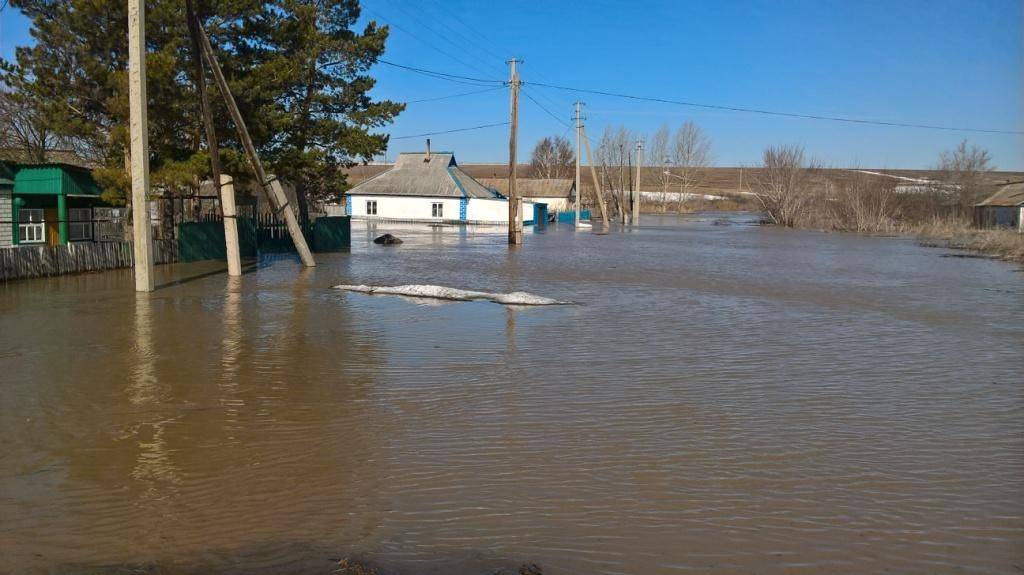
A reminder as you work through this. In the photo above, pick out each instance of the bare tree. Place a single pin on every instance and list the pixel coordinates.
(963, 172)
(553, 157)
(613, 155)
(657, 154)
(691, 153)
(783, 187)
(23, 129)
(860, 202)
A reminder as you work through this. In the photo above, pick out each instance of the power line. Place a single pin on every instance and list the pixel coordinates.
(454, 95)
(549, 112)
(714, 106)
(775, 113)
(446, 37)
(431, 45)
(451, 131)
(439, 75)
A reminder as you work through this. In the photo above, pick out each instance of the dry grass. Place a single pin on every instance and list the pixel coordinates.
(1002, 244)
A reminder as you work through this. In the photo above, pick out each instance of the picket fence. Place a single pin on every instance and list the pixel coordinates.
(76, 257)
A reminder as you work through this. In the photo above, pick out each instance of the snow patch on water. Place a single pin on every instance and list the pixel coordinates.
(454, 294)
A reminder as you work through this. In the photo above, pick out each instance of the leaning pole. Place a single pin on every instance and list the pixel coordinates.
(142, 232)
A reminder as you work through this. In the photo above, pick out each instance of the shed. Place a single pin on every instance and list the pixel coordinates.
(427, 187)
(52, 204)
(1003, 209)
(558, 193)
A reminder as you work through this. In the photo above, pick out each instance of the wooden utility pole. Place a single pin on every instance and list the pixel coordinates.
(623, 208)
(271, 186)
(597, 184)
(639, 168)
(515, 203)
(629, 177)
(579, 134)
(142, 228)
(223, 183)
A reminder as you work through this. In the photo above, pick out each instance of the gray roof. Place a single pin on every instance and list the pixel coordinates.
(1008, 195)
(534, 187)
(417, 174)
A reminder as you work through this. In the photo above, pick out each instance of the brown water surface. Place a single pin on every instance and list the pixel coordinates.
(725, 398)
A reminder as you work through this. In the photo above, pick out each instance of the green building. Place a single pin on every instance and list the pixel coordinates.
(47, 204)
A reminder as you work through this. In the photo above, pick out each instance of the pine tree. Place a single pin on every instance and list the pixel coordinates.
(295, 67)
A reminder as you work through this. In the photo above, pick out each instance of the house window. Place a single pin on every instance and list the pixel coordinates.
(437, 210)
(371, 207)
(31, 227)
(80, 224)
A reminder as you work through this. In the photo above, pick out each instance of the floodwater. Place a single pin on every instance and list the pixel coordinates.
(723, 399)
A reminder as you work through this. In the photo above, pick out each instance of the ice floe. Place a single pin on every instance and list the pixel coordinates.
(454, 294)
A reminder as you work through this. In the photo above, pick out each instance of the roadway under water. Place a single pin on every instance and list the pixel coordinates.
(726, 398)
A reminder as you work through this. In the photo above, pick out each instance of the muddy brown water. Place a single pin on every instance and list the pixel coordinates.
(725, 399)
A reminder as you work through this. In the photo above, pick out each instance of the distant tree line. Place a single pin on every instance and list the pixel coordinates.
(796, 191)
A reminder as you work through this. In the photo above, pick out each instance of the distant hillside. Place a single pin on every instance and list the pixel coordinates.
(716, 180)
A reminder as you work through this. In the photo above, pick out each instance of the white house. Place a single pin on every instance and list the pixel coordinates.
(429, 187)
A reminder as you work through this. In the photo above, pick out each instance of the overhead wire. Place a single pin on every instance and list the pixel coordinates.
(434, 46)
(775, 113)
(441, 75)
(450, 131)
(485, 90)
(474, 47)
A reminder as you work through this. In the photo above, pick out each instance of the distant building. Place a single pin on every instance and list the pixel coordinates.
(1003, 209)
(559, 194)
(428, 187)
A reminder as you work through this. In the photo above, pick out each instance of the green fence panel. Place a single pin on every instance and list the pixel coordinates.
(332, 234)
(198, 241)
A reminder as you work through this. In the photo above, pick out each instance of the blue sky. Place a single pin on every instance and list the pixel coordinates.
(930, 62)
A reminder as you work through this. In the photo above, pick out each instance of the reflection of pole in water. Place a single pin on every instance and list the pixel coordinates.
(153, 462)
(143, 385)
(231, 345)
(510, 328)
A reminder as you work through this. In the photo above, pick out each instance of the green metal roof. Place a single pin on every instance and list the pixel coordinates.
(6, 176)
(55, 179)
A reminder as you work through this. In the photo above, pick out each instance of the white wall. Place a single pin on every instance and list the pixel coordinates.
(406, 207)
(554, 204)
(494, 211)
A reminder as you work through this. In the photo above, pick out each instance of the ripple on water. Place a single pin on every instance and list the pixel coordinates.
(728, 399)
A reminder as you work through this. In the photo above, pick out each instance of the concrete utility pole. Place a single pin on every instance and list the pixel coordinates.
(142, 228)
(664, 184)
(515, 203)
(579, 133)
(639, 167)
(227, 198)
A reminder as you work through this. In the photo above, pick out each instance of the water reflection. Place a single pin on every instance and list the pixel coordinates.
(726, 399)
(154, 465)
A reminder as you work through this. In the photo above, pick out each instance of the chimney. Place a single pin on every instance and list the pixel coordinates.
(428, 151)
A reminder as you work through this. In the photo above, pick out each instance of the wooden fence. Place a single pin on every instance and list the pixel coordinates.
(76, 257)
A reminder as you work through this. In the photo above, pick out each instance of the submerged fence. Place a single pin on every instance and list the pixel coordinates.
(76, 257)
(195, 241)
